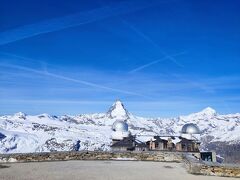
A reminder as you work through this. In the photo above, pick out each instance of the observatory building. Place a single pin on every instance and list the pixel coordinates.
(123, 140)
(187, 141)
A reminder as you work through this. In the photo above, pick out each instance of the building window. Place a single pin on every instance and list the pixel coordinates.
(183, 147)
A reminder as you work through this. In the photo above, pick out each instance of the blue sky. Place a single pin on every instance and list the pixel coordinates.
(161, 58)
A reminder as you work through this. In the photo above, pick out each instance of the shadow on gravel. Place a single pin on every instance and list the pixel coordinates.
(4, 166)
(168, 167)
(107, 162)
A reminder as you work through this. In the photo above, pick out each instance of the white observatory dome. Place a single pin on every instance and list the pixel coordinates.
(120, 125)
(120, 130)
(190, 128)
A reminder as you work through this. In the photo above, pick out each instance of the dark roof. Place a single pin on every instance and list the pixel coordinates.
(184, 140)
(126, 142)
(158, 139)
(129, 142)
(140, 144)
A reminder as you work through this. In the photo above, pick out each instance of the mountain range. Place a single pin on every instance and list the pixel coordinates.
(22, 133)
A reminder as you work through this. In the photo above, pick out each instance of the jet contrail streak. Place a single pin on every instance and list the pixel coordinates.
(73, 20)
(21, 57)
(144, 36)
(152, 63)
(90, 84)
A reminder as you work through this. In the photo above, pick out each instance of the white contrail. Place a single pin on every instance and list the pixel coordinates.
(42, 64)
(152, 63)
(90, 84)
(73, 20)
(144, 36)
(20, 57)
(202, 86)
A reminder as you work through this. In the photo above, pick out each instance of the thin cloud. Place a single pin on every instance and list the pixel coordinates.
(72, 20)
(87, 83)
(203, 87)
(60, 101)
(169, 57)
(152, 63)
(195, 83)
(44, 65)
(148, 39)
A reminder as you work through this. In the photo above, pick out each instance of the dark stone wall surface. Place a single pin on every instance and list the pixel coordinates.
(86, 155)
(211, 169)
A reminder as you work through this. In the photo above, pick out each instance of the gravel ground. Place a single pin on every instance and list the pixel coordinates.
(99, 170)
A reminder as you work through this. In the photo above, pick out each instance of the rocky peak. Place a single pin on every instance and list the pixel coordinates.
(206, 114)
(20, 115)
(208, 111)
(118, 111)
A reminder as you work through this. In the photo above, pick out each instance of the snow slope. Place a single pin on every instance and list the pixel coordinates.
(22, 133)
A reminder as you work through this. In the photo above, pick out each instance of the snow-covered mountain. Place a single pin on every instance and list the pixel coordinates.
(26, 133)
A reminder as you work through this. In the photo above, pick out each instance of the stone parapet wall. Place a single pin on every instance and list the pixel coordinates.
(211, 169)
(83, 155)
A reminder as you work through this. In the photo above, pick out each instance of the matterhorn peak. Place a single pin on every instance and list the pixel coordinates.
(118, 111)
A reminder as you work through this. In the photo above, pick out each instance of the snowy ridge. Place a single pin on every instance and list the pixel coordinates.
(21, 133)
(206, 113)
